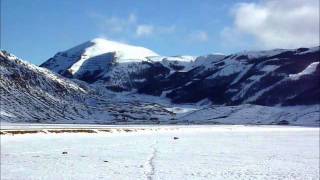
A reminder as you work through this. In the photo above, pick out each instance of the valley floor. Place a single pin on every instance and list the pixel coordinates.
(152, 152)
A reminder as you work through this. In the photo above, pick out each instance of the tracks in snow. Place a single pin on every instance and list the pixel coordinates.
(149, 168)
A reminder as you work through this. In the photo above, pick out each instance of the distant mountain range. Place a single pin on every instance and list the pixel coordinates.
(102, 81)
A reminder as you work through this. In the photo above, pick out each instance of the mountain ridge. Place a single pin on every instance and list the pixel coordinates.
(268, 87)
(221, 78)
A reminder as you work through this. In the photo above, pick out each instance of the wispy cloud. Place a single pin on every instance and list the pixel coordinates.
(198, 36)
(167, 29)
(130, 27)
(132, 18)
(275, 24)
(144, 30)
(115, 24)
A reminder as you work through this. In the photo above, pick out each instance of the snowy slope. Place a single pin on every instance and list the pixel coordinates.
(263, 78)
(116, 65)
(33, 94)
(95, 55)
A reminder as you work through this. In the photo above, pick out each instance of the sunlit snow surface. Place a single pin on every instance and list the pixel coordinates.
(201, 152)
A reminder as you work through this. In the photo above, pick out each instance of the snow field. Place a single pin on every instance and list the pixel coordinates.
(201, 152)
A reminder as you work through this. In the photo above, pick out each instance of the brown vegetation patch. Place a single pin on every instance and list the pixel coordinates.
(128, 130)
(71, 131)
(14, 132)
(105, 130)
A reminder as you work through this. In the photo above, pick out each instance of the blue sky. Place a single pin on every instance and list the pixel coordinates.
(35, 30)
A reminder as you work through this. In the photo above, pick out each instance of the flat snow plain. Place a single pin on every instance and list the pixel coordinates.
(201, 152)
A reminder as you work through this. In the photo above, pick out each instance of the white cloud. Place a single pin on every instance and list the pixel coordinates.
(198, 36)
(115, 24)
(116, 27)
(276, 24)
(167, 29)
(132, 18)
(144, 30)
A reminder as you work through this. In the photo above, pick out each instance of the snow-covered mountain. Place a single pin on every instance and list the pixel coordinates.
(92, 58)
(33, 94)
(100, 82)
(280, 76)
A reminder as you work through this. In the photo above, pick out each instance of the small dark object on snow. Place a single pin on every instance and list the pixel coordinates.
(283, 122)
(105, 161)
(175, 138)
(64, 152)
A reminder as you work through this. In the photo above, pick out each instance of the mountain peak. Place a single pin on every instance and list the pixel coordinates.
(102, 40)
(100, 46)
(96, 52)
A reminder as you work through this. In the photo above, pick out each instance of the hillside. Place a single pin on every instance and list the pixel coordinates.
(274, 77)
(266, 87)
